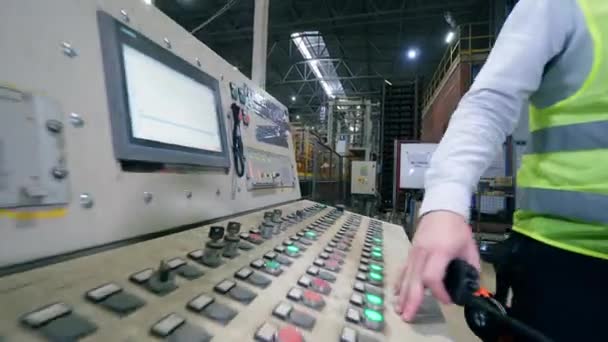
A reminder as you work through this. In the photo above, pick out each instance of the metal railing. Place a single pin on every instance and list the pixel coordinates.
(471, 39)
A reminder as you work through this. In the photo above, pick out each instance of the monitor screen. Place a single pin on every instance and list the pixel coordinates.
(167, 106)
(163, 109)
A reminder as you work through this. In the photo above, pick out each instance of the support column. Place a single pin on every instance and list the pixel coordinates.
(260, 42)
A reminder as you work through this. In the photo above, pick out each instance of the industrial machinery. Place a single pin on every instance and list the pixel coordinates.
(149, 191)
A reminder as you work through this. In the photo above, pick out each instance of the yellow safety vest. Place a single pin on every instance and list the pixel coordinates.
(564, 179)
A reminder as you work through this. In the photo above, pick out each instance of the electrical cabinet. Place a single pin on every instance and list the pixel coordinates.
(363, 177)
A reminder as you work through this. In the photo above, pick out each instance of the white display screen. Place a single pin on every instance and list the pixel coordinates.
(169, 107)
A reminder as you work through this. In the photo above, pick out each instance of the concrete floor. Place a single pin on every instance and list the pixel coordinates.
(454, 315)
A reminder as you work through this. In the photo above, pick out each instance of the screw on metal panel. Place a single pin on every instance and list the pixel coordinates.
(125, 16)
(54, 126)
(68, 50)
(198, 62)
(148, 197)
(167, 42)
(76, 120)
(86, 200)
(188, 194)
(59, 172)
(218, 192)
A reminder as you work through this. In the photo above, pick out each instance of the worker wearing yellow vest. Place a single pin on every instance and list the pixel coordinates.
(553, 56)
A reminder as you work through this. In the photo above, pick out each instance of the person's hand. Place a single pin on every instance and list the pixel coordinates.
(441, 237)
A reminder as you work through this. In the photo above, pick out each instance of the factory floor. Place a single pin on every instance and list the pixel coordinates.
(459, 331)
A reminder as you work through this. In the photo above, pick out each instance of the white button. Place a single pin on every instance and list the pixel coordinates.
(282, 310)
(243, 273)
(361, 276)
(270, 255)
(200, 302)
(42, 316)
(167, 325)
(175, 263)
(356, 299)
(353, 315)
(312, 270)
(224, 286)
(304, 281)
(103, 292)
(266, 333)
(295, 294)
(319, 262)
(348, 335)
(197, 254)
(142, 276)
(359, 286)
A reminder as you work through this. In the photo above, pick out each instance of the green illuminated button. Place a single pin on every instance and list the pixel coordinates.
(377, 240)
(373, 315)
(292, 249)
(377, 249)
(273, 265)
(311, 234)
(377, 255)
(374, 276)
(376, 267)
(373, 299)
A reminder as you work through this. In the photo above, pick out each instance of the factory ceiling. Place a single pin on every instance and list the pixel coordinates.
(366, 41)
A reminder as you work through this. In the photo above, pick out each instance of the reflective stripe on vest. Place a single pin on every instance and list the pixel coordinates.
(583, 136)
(579, 206)
(563, 178)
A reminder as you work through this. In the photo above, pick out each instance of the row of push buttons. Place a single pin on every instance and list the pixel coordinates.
(58, 321)
(367, 301)
(312, 286)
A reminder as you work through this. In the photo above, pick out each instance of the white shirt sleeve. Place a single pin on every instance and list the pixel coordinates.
(533, 34)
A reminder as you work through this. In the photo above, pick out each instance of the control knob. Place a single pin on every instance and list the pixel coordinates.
(232, 240)
(212, 255)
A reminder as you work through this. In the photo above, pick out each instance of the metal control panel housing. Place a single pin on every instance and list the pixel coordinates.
(53, 51)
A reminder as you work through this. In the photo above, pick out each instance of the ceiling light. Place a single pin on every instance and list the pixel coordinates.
(351, 128)
(297, 117)
(387, 82)
(412, 54)
(293, 99)
(450, 37)
(358, 107)
(148, 2)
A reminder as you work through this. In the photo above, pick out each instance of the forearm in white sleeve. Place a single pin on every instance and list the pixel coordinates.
(534, 33)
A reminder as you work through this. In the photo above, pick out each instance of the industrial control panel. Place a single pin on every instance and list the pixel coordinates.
(297, 272)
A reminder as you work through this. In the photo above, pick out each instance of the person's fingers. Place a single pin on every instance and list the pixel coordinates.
(413, 277)
(471, 255)
(432, 276)
(414, 299)
(400, 278)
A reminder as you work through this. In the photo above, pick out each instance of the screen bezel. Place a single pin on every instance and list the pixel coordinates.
(113, 35)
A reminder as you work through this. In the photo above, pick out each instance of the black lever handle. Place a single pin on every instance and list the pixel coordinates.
(462, 281)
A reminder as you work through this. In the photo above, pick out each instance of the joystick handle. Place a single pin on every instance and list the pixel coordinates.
(216, 233)
(233, 228)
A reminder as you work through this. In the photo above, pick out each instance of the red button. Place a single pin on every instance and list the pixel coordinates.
(289, 334)
(332, 265)
(312, 296)
(255, 237)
